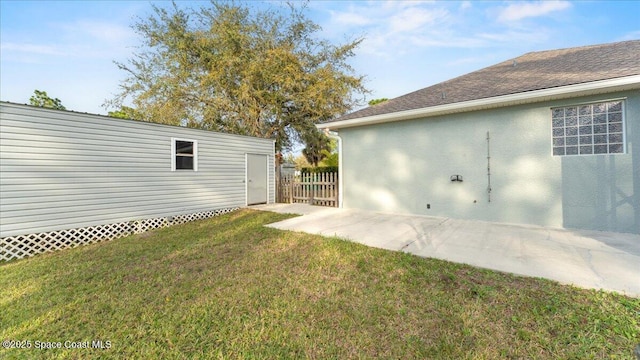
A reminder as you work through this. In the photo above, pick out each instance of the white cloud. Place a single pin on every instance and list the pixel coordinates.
(390, 28)
(431, 41)
(350, 18)
(449, 41)
(94, 34)
(112, 33)
(521, 10)
(40, 53)
(516, 37)
(394, 29)
(34, 49)
(634, 35)
(415, 19)
(80, 39)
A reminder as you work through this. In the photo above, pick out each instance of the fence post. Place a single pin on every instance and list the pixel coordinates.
(293, 179)
(323, 188)
(311, 189)
(278, 188)
(336, 192)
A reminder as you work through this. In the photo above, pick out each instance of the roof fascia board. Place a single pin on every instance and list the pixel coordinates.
(584, 89)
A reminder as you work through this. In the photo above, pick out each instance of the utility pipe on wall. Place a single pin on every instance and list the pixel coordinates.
(488, 167)
(334, 135)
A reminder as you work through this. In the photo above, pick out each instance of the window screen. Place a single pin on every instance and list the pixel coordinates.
(184, 155)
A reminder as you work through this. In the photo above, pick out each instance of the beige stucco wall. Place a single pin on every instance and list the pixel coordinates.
(403, 166)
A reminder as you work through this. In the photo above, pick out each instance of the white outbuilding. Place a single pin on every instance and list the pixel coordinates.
(69, 178)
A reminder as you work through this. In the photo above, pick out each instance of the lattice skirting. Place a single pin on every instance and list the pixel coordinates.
(21, 246)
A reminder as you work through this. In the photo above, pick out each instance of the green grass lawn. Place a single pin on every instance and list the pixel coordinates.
(228, 287)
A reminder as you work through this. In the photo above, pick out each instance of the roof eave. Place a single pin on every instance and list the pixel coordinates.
(557, 93)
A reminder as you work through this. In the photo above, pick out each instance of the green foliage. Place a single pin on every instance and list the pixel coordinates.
(233, 68)
(300, 162)
(317, 148)
(331, 156)
(126, 112)
(331, 159)
(288, 158)
(41, 99)
(319, 169)
(377, 101)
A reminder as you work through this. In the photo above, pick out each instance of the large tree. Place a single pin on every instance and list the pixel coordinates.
(41, 99)
(239, 69)
(317, 147)
(126, 112)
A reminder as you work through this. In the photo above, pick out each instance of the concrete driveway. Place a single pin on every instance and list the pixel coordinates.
(587, 259)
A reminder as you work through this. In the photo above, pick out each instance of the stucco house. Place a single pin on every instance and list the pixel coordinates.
(548, 138)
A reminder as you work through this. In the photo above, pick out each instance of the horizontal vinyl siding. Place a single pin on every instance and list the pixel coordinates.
(61, 170)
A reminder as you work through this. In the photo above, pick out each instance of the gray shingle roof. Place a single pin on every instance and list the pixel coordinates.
(531, 71)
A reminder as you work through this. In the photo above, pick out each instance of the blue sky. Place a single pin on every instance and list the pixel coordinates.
(67, 48)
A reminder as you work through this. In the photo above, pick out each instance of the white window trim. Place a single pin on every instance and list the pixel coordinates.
(624, 127)
(173, 154)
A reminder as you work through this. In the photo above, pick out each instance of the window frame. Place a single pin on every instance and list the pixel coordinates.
(174, 155)
(592, 124)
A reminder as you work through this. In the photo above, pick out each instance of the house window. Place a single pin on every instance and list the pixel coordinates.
(588, 129)
(184, 154)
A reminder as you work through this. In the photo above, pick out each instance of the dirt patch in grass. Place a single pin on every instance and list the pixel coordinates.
(229, 287)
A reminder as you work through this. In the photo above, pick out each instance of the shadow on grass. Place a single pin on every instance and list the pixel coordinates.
(230, 287)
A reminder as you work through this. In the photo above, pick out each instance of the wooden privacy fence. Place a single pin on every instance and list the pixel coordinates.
(314, 189)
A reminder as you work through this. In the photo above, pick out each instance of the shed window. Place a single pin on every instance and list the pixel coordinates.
(184, 155)
(588, 129)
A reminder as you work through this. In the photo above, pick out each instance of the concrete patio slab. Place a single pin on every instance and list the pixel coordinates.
(587, 259)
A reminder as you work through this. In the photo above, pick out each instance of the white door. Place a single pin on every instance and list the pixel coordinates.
(256, 179)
